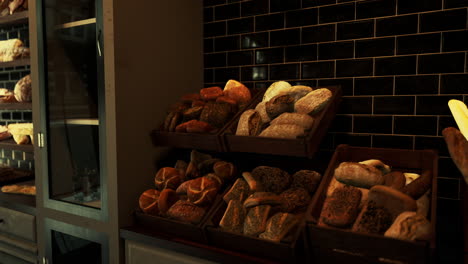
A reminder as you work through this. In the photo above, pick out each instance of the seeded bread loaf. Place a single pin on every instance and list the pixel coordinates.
(283, 131)
(313, 102)
(302, 120)
(249, 124)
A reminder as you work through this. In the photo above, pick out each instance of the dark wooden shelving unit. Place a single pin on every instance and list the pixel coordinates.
(15, 63)
(15, 106)
(16, 18)
(11, 144)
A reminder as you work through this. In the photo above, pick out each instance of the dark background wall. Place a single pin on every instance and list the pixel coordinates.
(397, 61)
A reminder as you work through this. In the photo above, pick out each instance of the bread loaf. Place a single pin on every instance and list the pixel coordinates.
(261, 109)
(233, 218)
(237, 91)
(384, 168)
(14, 5)
(275, 89)
(216, 114)
(313, 102)
(21, 139)
(211, 93)
(11, 50)
(298, 91)
(373, 219)
(255, 184)
(278, 226)
(192, 113)
(239, 191)
(393, 200)
(302, 120)
(395, 179)
(185, 211)
(7, 96)
(23, 92)
(420, 186)
(358, 175)
(225, 99)
(19, 189)
(423, 204)
(341, 207)
(4, 133)
(148, 201)
(256, 219)
(262, 198)
(458, 149)
(410, 226)
(183, 187)
(225, 170)
(283, 131)
(278, 105)
(167, 177)
(249, 124)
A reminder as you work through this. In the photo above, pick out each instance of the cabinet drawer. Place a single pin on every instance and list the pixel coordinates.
(18, 224)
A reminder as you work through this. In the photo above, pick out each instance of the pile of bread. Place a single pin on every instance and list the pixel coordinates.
(268, 202)
(285, 112)
(12, 49)
(8, 7)
(21, 93)
(22, 133)
(185, 192)
(207, 111)
(368, 197)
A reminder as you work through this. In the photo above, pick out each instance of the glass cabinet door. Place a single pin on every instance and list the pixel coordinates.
(72, 80)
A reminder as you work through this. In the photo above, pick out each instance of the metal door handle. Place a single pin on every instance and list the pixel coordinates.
(98, 41)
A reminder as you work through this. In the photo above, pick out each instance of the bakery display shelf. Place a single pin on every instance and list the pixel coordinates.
(345, 246)
(11, 145)
(207, 252)
(16, 18)
(16, 106)
(15, 63)
(293, 248)
(305, 146)
(19, 202)
(202, 141)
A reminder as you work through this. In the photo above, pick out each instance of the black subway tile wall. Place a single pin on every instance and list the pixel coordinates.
(397, 62)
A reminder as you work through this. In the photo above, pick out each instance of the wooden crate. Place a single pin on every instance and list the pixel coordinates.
(333, 245)
(305, 146)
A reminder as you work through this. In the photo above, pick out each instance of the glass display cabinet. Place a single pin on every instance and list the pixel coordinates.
(72, 85)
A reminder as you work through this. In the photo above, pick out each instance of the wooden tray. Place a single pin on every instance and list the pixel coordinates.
(202, 141)
(333, 245)
(303, 146)
(292, 251)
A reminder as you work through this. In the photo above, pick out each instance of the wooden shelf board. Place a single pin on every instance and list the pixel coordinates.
(15, 106)
(19, 202)
(16, 18)
(15, 63)
(11, 144)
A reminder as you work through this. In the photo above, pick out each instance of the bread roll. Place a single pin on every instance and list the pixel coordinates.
(21, 139)
(378, 164)
(7, 96)
(19, 189)
(373, 219)
(183, 187)
(167, 177)
(410, 226)
(4, 133)
(275, 89)
(283, 131)
(395, 179)
(278, 105)
(148, 201)
(233, 218)
(261, 109)
(298, 91)
(167, 198)
(302, 120)
(358, 175)
(294, 199)
(10, 50)
(216, 114)
(203, 190)
(249, 124)
(306, 179)
(14, 5)
(225, 99)
(313, 102)
(272, 179)
(192, 113)
(23, 92)
(420, 186)
(393, 200)
(238, 92)
(211, 93)
(278, 226)
(423, 204)
(255, 185)
(225, 170)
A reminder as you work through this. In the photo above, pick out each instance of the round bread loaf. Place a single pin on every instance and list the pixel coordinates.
(272, 179)
(298, 91)
(306, 179)
(294, 199)
(167, 198)
(249, 124)
(358, 175)
(313, 102)
(275, 89)
(410, 226)
(167, 177)
(203, 190)
(186, 211)
(237, 91)
(148, 201)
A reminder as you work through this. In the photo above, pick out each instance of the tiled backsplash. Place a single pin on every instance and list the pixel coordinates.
(397, 61)
(8, 79)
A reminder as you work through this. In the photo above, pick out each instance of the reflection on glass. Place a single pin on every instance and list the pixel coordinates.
(67, 249)
(72, 102)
